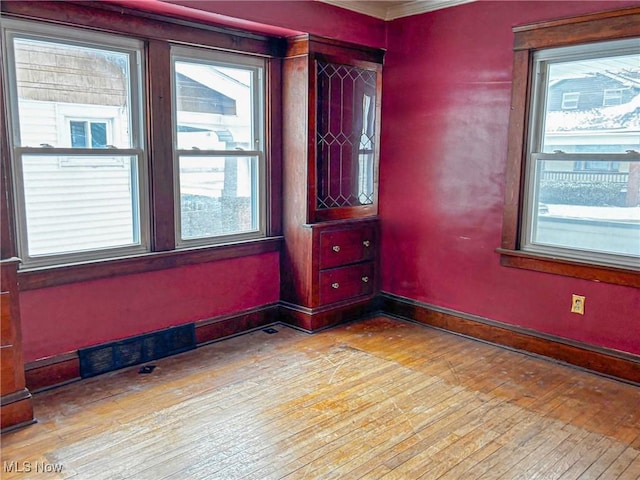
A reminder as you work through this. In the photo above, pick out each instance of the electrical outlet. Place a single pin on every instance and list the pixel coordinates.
(577, 304)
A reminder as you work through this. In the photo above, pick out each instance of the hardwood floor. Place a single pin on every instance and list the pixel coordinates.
(377, 399)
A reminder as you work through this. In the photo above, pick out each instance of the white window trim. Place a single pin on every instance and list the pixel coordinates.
(612, 94)
(534, 144)
(10, 29)
(258, 66)
(570, 100)
(65, 114)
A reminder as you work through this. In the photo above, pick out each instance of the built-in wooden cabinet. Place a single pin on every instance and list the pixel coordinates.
(16, 406)
(331, 125)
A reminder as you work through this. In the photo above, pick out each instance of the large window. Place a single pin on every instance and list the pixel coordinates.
(78, 154)
(129, 151)
(590, 214)
(573, 182)
(219, 146)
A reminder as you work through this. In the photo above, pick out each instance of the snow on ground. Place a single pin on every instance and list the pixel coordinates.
(626, 214)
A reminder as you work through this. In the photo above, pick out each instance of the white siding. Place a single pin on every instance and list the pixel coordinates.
(48, 123)
(38, 124)
(76, 207)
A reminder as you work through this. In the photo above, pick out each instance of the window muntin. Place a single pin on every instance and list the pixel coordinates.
(74, 201)
(219, 148)
(583, 166)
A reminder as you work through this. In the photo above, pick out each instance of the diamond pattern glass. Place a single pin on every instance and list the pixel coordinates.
(345, 135)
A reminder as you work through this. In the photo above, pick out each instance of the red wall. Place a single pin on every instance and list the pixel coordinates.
(282, 18)
(65, 318)
(447, 86)
(302, 15)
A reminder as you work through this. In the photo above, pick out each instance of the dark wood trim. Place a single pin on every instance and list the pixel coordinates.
(604, 361)
(58, 370)
(217, 328)
(17, 413)
(273, 154)
(345, 213)
(106, 17)
(602, 26)
(148, 262)
(15, 400)
(622, 23)
(14, 397)
(518, 121)
(160, 149)
(569, 268)
(315, 319)
(305, 44)
(52, 371)
(61, 369)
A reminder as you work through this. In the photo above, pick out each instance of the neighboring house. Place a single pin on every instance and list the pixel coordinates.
(594, 91)
(595, 113)
(592, 114)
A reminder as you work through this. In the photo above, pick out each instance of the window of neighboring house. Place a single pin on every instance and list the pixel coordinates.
(86, 134)
(600, 166)
(612, 97)
(570, 100)
(98, 208)
(219, 146)
(577, 211)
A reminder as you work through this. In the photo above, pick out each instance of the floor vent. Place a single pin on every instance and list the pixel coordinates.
(143, 348)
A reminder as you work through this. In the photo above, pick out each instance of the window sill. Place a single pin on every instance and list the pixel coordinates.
(569, 268)
(31, 279)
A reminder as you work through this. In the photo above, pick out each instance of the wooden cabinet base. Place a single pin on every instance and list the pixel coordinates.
(16, 410)
(315, 319)
(15, 400)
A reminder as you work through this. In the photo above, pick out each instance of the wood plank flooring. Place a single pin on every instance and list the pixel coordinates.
(376, 399)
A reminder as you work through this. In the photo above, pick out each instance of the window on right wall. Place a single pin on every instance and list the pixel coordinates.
(572, 202)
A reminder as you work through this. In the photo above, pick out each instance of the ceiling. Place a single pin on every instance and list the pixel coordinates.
(392, 9)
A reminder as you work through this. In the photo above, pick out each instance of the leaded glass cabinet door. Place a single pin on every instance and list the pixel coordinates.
(347, 132)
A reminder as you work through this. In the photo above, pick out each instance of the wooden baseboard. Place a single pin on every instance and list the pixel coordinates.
(65, 368)
(16, 411)
(604, 361)
(316, 319)
(213, 329)
(61, 369)
(52, 371)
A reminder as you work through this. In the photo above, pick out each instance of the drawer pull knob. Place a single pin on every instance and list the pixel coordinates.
(335, 285)
(365, 279)
(336, 248)
(366, 243)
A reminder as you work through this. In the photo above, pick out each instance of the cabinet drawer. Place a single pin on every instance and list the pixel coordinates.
(343, 247)
(343, 283)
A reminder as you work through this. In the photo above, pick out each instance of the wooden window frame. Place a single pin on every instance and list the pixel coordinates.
(598, 27)
(131, 150)
(158, 33)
